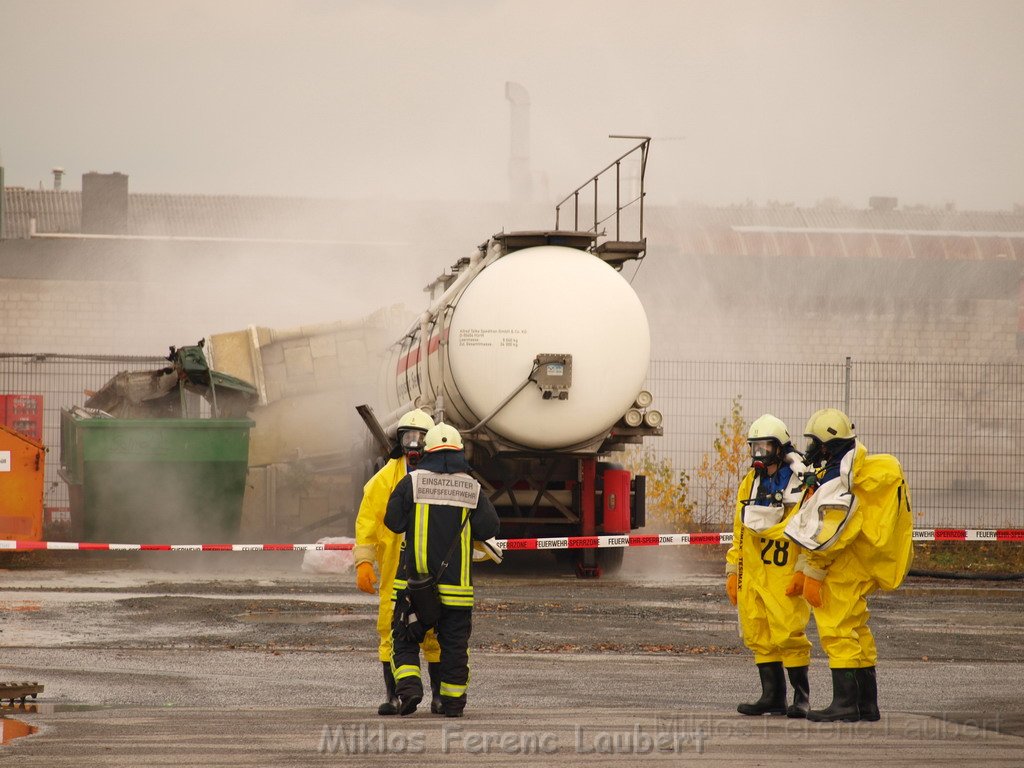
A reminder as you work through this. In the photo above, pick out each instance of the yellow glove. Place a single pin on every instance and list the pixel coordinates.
(732, 583)
(812, 590)
(795, 587)
(366, 579)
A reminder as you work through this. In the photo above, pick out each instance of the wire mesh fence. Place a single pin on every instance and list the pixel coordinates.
(957, 429)
(63, 381)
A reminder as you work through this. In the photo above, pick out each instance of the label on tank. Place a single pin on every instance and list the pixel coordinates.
(5, 461)
(490, 337)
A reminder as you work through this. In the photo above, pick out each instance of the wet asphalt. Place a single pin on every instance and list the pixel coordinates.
(225, 659)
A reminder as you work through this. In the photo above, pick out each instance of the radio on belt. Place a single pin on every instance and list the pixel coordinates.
(554, 376)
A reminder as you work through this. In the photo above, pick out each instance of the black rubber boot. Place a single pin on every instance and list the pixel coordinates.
(773, 691)
(867, 700)
(410, 694)
(801, 692)
(436, 705)
(407, 704)
(390, 705)
(844, 699)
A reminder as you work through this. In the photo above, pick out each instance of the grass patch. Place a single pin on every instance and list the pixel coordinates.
(997, 557)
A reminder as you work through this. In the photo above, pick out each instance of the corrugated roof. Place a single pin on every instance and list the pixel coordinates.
(832, 234)
(828, 218)
(54, 211)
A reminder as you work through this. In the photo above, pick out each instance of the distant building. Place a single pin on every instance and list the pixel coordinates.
(106, 270)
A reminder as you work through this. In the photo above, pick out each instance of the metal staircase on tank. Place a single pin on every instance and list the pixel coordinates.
(617, 250)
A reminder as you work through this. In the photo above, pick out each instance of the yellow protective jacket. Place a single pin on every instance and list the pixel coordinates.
(374, 542)
(877, 536)
(772, 623)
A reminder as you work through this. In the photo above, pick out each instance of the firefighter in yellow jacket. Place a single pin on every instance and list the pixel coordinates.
(760, 566)
(857, 528)
(376, 544)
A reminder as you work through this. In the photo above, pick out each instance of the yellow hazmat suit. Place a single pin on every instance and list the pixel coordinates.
(772, 623)
(374, 542)
(854, 547)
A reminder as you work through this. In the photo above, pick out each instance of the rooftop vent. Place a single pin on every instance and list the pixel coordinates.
(883, 204)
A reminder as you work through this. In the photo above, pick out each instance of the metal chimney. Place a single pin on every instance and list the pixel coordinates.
(520, 179)
(104, 203)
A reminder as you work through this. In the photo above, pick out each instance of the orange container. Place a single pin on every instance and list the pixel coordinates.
(22, 461)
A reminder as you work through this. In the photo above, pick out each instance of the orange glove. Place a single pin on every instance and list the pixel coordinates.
(812, 591)
(796, 585)
(366, 579)
(732, 583)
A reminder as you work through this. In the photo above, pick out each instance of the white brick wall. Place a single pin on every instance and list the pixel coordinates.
(698, 309)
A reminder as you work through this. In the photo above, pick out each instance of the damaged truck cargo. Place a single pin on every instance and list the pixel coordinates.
(159, 456)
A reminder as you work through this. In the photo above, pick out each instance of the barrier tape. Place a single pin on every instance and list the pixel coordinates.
(565, 542)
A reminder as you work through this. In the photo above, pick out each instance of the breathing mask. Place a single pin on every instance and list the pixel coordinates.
(411, 442)
(814, 453)
(822, 454)
(763, 454)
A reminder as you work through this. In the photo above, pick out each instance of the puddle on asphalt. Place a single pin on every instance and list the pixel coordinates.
(46, 708)
(11, 729)
(19, 606)
(298, 617)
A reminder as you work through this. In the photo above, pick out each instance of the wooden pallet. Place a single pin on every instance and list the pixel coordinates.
(19, 691)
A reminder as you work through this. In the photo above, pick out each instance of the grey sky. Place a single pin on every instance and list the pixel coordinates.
(761, 100)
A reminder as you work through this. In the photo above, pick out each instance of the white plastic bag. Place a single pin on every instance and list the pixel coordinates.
(329, 560)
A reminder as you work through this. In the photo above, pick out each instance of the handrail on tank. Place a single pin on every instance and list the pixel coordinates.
(643, 148)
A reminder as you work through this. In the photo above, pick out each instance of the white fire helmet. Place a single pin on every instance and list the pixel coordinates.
(416, 419)
(829, 424)
(443, 437)
(412, 433)
(765, 439)
(767, 427)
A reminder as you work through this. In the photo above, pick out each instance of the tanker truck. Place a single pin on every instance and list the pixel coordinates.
(536, 348)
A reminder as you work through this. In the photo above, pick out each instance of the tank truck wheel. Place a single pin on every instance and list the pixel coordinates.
(606, 562)
(609, 560)
(565, 557)
(585, 571)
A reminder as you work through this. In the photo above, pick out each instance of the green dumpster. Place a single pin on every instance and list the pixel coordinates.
(163, 481)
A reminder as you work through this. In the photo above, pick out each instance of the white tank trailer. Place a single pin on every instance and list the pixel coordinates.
(536, 348)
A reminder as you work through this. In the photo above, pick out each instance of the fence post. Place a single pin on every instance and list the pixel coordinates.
(846, 392)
